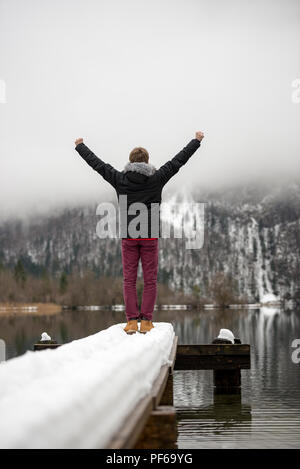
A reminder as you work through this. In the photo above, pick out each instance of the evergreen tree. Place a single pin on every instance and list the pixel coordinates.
(63, 283)
(19, 273)
(196, 292)
(254, 249)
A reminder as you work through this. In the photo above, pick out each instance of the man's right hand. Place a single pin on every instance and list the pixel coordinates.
(199, 136)
(79, 140)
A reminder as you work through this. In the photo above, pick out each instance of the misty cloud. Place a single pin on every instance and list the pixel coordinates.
(123, 74)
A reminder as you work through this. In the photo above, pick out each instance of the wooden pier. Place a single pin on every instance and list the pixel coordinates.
(153, 422)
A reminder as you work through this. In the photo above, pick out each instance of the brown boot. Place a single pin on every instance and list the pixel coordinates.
(146, 326)
(131, 326)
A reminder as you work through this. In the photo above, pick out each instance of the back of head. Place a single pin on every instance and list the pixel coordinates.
(139, 155)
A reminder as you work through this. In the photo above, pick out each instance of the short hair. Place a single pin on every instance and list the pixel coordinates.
(139, 155)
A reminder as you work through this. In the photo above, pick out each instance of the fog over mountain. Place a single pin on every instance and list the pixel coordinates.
(251, 235)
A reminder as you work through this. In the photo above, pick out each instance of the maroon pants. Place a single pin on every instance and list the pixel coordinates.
(132, 251)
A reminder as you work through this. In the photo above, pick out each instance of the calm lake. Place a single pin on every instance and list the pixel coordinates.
(268, 414)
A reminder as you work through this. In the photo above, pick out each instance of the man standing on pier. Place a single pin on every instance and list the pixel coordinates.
(140, 182)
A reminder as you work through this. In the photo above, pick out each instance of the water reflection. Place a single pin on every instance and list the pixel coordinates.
(227, 415)
(268, 414)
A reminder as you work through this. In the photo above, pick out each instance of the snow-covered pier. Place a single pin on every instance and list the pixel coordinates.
(108, 390)
(83, 394)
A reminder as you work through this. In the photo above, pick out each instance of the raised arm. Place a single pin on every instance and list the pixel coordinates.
(106, 170)
(169, 169)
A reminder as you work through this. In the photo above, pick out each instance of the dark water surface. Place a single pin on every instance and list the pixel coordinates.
(268, 415)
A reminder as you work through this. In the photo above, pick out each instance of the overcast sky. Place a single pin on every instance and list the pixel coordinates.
(125, 73)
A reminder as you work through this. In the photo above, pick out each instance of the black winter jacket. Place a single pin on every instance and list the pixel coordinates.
(140, 182)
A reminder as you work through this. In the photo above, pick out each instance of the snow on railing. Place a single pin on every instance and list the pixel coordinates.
(80, 394)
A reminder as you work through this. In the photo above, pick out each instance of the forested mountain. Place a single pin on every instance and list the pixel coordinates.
(251, 239)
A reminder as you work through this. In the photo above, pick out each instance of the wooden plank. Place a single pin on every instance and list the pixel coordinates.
(159, 385)
(173, 354)
(133, 426)
(214, 349)
(211, 363)
(213, 357)
(168, 395)
(39, 347)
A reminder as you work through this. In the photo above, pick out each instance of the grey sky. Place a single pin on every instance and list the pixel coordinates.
(150, 73)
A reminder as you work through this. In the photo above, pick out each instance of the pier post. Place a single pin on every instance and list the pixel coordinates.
(227, 381)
